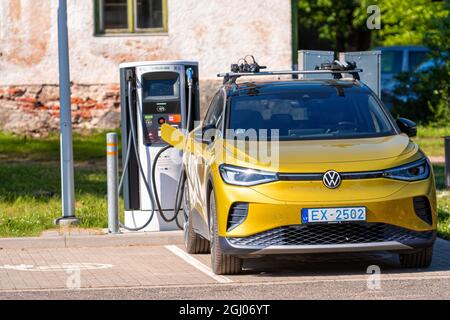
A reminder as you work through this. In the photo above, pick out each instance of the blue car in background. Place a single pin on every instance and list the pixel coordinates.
(395, 60)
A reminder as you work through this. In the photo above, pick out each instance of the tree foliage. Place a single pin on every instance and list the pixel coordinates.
(341, 26)
(405, 22)
(330, 24)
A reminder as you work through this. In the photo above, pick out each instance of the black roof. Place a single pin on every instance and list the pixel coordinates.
(252, 88)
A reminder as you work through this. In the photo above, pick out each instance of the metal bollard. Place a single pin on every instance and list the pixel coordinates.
(447, 162)
(112, 178)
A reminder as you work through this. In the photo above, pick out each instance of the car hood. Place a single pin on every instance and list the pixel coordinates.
(314, 155)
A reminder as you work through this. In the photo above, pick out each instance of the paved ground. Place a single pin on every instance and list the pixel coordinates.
(166, 272)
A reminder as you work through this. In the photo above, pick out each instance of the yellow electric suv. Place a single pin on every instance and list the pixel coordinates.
(306, 166)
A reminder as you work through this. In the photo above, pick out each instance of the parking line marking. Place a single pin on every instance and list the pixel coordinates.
(197, 264)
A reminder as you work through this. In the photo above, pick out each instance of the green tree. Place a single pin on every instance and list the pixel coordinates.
(341, 25)
(404, 22)
(331, 25)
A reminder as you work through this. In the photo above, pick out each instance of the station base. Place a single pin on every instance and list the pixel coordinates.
(67, 221)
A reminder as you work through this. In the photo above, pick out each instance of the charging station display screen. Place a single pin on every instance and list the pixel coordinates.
(161, 85)
(160, 88)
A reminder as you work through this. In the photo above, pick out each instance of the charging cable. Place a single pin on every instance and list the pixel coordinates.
(182, 177)
(133, 141)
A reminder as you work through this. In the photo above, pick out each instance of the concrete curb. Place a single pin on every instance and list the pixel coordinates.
(82, 241)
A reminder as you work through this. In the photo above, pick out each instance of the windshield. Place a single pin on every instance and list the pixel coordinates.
(325, 112)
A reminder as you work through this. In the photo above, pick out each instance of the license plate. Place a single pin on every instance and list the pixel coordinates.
(327, 215)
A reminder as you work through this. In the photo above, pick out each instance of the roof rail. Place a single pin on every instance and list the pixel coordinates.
(336, 68)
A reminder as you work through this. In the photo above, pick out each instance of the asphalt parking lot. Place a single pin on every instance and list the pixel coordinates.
(165, 271)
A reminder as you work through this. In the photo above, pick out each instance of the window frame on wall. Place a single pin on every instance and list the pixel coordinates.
(131, 20)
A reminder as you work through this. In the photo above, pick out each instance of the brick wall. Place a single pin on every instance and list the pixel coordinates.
(34, 109)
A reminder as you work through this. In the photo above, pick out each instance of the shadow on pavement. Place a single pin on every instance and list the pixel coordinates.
(341, 263)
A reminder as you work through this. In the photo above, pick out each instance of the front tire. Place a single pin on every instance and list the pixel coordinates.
(221, 264)
(194, 243)
(419, 259)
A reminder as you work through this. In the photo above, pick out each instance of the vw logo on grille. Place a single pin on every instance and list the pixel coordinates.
(332, 179)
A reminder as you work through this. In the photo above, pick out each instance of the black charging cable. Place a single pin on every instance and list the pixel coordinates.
(133, 141)
(155, 190)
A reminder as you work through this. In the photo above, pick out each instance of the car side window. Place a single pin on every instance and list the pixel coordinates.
(391, 61)
(215, 112)
(416, 58)
(211, 110)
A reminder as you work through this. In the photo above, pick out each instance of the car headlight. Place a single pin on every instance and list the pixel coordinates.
(418, 170)
(245, 177)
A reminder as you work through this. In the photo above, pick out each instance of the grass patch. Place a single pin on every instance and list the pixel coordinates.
(85, 148)
(443, 199)
(30, 198)
(431, 147)
(30, 195)
(432, 132)
(443, 202)
(431, 140)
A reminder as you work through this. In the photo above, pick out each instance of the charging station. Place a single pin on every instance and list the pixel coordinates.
(152, 94)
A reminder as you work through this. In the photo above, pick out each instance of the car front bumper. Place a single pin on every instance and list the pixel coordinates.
(300, 239)
(273, 223)
(395, 207)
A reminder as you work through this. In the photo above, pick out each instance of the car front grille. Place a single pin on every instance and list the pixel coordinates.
(330, 234)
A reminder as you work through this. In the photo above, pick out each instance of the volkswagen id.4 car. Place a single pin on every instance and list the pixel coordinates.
(341, 175)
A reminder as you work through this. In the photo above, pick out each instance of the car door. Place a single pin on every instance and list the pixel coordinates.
(199, 160)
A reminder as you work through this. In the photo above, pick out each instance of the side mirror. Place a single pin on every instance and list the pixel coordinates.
(407, 126)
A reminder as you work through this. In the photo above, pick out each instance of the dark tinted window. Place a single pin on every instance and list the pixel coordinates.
(115, 14)
(149, 14)
(314, 113)
(391, 61)
(416, 58)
